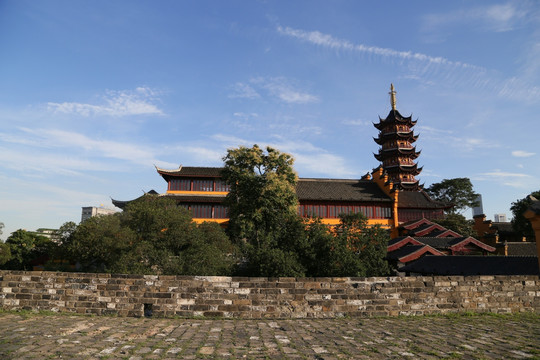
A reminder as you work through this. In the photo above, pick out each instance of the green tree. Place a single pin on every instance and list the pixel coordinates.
(1, 228)
(262, 192)
(25, 247)
(151, 236)
(98, 243)
(459, 224)
(5, 253)
(282, 252)
(263, 210)
(519, 223)
(458, 192)
(360, 249)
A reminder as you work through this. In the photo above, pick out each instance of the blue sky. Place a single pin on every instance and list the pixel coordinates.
(93, 94)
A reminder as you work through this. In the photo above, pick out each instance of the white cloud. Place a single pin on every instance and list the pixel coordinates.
(284, 90)
(277, 87)
(518, 89)
(357, 122)
(520, 153)
(496, 18)
(116, 103)
(245, 91)
(71, 152)
(516, 180)
(245, 116)
(325, 40)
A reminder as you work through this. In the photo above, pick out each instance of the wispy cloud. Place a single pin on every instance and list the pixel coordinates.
(244, 91)
(448, 137)
(357, 122)
(427, 69)
(516, 180)
(521, 153)
(68, 152)
(325, 40)
(497, 17)
(278, 87)
(284, 90)
(140, 101)
(245, 116)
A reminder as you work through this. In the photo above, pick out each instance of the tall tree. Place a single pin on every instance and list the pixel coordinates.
(458, 192)
(519, 223)
(262, 194)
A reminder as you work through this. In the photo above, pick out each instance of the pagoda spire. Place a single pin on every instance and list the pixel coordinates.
(396, 152)
(392, 97)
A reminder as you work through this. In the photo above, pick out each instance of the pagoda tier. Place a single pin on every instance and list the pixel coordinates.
(397, 154)
(398, 122)
(410, 169)
(384, 138)
(394, 154)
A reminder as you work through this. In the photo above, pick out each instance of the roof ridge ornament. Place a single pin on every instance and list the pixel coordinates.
(392, 97)
(165, 170)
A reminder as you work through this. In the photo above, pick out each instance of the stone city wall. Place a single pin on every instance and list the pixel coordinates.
(243, 297)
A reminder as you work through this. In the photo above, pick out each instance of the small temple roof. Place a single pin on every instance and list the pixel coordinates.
(122, 203)
(399, 242)
(426, 229)
(474, 265)
(337, 189)
(444, 243)
(412, 252)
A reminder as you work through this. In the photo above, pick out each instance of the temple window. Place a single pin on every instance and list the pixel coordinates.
(222, 186)
(203, 185)
(221, 212)
(180, 185)
(334, 211)
(201, 211)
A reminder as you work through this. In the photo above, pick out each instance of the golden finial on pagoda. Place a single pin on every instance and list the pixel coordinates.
(392, 97)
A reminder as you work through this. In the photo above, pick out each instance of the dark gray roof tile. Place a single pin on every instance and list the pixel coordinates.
(340, 190)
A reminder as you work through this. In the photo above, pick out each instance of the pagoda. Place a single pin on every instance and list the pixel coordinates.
(397, 154)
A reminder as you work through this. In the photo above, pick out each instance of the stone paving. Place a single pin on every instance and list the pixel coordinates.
(46, 336)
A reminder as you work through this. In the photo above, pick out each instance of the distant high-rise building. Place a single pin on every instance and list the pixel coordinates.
(500, 218)
(89, 211)
(479, 209)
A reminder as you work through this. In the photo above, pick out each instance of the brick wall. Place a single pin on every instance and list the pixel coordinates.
(210, 296)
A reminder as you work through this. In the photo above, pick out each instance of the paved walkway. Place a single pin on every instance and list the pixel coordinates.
(37, 336)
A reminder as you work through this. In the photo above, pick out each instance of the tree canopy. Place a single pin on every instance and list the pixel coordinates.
(262, 194)
(151, 236)
(22, 248)
(459, 224)
(458, 192)
(519, 223)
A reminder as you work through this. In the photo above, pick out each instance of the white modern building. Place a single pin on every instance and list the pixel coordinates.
(89, 211)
